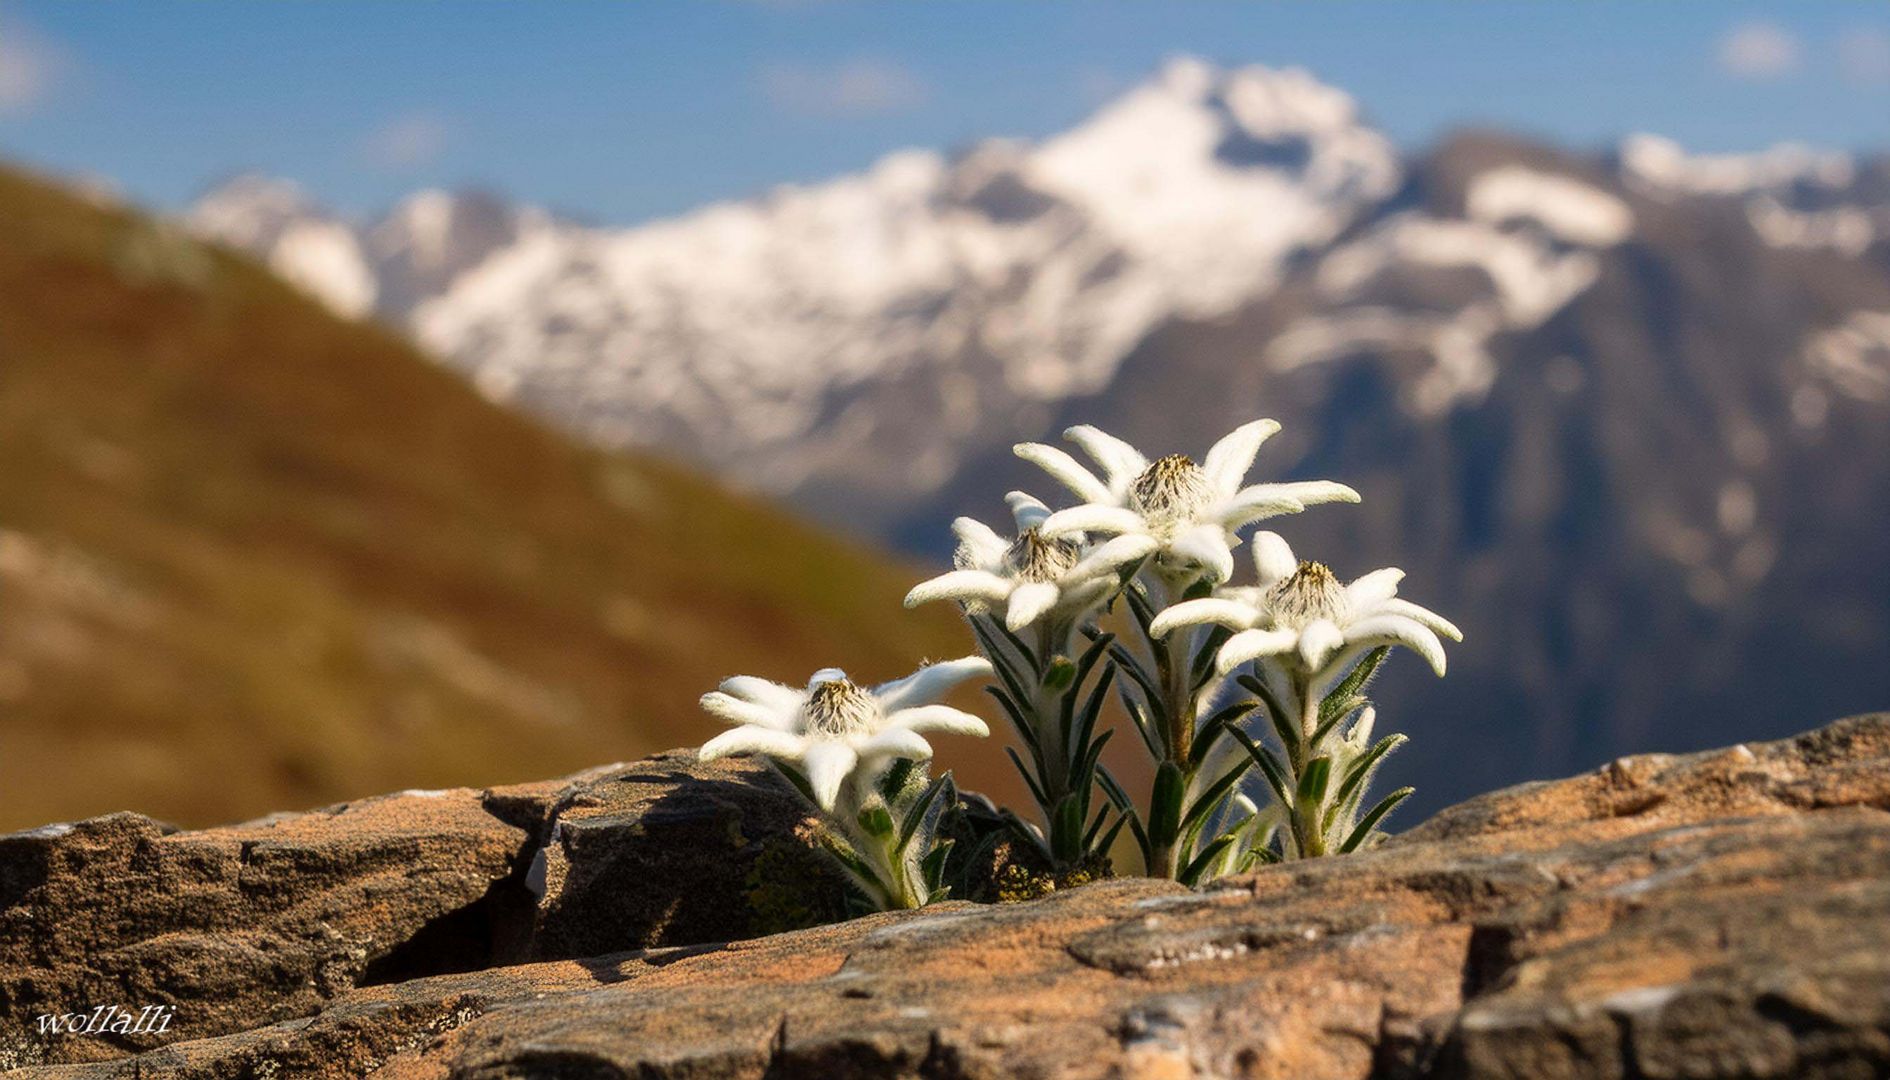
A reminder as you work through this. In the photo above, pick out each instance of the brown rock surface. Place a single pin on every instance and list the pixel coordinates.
(1719, 914)
(271, 920)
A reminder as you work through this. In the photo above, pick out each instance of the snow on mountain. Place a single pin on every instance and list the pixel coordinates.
(310, 248)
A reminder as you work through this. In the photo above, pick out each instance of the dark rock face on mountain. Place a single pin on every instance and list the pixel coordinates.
(1715, 915)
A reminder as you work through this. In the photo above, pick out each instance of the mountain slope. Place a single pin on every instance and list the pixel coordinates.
(254, 556)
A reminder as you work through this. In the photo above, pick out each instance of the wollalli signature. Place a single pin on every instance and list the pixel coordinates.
(108, 1020)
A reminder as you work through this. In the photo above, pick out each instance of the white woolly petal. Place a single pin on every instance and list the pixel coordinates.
(1121, 462)
(937, 718)
(1252, 645)
(960, 585)
(1227, 463)
(1093, 517)
(1229, 613)
(1111, 557)
(1423, 616)
(1027, 511)
(1064, 470)
(1028, 601)
(1206, 546)
(736, 711)
(1318, 640)
(979, 542)
(1364, 596)
(749, 739)
(1273, 558)
(1315, 492)
(1256, 503)
(827, 764)
(767, 694)
(895, 743)
(929, 683)
(1398, 630)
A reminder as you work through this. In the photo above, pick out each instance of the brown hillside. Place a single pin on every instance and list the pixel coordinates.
(253, 556)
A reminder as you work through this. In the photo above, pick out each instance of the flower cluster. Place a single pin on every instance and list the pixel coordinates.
(1220, 681)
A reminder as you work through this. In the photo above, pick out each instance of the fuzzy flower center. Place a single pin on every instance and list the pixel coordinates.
(837, 708)
(1032, 557)
(1310, 592)
(1171, 490)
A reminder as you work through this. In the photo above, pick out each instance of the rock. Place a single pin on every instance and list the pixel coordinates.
(1719, 914)
(272, 920)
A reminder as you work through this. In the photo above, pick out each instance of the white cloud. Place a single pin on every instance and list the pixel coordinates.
(1864, 56)
(30, 67)
(411, 140)
(1759, 50)
(854, 88)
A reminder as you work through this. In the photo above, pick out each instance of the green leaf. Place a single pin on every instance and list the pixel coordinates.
(1269, 766)
(898, 776)
(1139, 717)
(1332, 719)
(1087, 766)
(1164, 808)
(1127, 662)
(1200, 864)
(1086, 723)
(1361, 767)
(1205, 652)
(1353, 685)
(932, 867)
(1030, 780)
(1213, 728)
(1377, 814)
(851, 861)
(1258, 688)
(793, 775)
(1000, 662)
(1017, 643)
(1140, 608)
(1108, 840)
(1312, 782)
(1016, 715)
(1217, 791)
(876, 821)
(1288, 731)
(1066, 830)
(1097, 647)
(915, 814)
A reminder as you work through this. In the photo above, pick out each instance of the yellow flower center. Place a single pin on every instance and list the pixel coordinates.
(837, 707)
(1171, 490)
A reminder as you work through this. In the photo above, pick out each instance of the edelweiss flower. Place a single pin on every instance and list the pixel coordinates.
(1302, 614)
(1190, 511)
(835, 729)
(1031, 575)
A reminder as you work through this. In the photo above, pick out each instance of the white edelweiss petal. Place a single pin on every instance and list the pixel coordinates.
(1318, 640)
(979, 541)
(1316, 492)
(1207, 546)
(750, 739)
(1423, 616)
(960, 585)
(1222, 612)
(1064, 470)
(937, 718)
(1028, 602)
(894, 743)
(1255, 504)
(1110, 557)
(1273, 558)
(1121, 462)
(827, 763)
(1363, 597)
(1252, 645)
(825, 675)
(1092, 518)
(736, 711)
(1398, 630)
(762, 692)
(1227, 462)
(929, 683)
(1027, 511)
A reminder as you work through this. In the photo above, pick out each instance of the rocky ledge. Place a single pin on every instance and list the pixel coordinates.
(1717, 914)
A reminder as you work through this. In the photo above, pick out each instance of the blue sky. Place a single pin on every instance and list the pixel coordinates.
(625, 111)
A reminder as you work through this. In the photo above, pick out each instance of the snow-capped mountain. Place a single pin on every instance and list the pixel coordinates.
(1627, 414)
